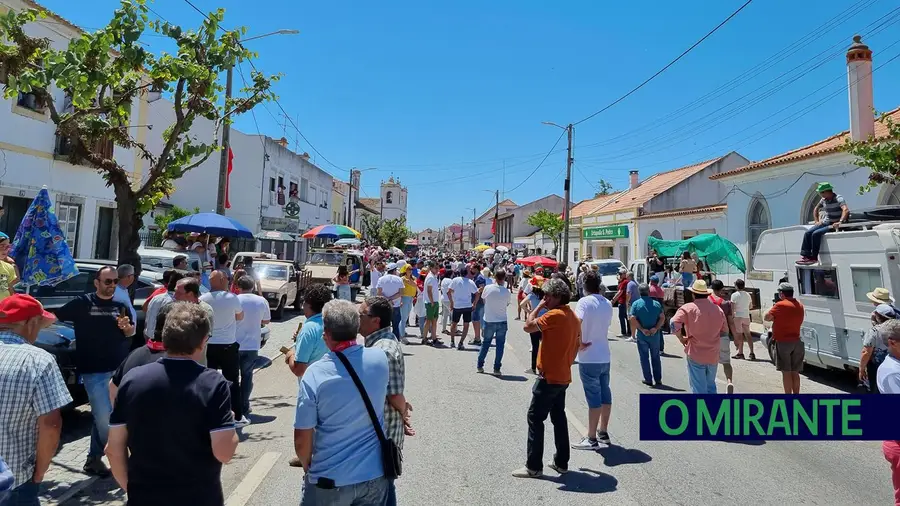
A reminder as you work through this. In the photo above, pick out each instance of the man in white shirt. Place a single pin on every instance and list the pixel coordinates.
(222, 349)
(248, 333)
(461, 293)
(496, 301)
(390, 286)
(889, 383)
(595, 313)
(374, 276)
(432, 296)
(742, 303)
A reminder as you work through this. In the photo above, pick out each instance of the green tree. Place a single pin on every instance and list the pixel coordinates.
(393, 233)
(550, 224)
(370, 227)
(162, 220)
(104, 72)
(881, 155)
(603, 188)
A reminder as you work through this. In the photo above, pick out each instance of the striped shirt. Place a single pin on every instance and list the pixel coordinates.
(30, 386)
(393, 420)
(832, 209)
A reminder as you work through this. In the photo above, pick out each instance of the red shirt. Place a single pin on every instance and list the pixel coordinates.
(622, 285)
(787, 318)
(657, 292)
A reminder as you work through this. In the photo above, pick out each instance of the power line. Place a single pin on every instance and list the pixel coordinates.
(660, 71)
(542, 162)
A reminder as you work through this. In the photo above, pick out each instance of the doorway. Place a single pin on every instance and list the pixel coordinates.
(14, 211)
(103, 242)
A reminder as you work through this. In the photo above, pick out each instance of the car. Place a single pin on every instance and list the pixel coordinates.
(161, 258)
(608, 270)
(59, 340)
(278, 280)
(54, 297)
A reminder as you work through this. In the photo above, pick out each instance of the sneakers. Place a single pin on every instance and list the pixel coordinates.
(729, 389)
(480, 370)
(461, 346)
(560, 470)
(526, 473)
(404, 340)
(497, 372)
(586, 444)
(807, 261)
(475, 342)
(602, 437)
(95, 467)
(753, 356)
(243, 422)
(647, 382)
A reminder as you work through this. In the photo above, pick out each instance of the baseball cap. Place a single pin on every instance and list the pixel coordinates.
(785, 287)
(391, 267)
(18, 308)
(886, 310)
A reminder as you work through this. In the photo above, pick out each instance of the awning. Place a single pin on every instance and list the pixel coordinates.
(274, 235)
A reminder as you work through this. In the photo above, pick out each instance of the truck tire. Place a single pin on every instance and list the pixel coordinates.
(279, 311)
(771, 348)
(298, 302)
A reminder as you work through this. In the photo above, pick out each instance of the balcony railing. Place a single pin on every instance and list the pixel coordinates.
(65, 147)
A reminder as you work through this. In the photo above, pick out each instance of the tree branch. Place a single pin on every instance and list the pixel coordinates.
(159, 167)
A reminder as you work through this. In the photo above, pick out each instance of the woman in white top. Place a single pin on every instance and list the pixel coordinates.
(524, 290)
(445, 301)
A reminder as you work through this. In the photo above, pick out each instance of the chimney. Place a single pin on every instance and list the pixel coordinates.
(282, 142)
(859, 77)
(634, 181)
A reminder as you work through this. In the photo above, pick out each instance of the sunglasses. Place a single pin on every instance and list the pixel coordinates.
(109, 281)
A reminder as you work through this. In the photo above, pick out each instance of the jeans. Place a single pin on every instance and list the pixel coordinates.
(247, 360)
(395, 322)
(812, 240)
(624, 324)
(547, 399)
(702, 377)
(406, 304)
(490, 331)
(343, 292)
(225, 357)
(648, 352)
(535, 346)
(595, 380)
(96, 384)
(368, 493)
(25, 494)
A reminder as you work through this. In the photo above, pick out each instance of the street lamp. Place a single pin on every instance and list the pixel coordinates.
(350, 194)
(226, 128)
(569, 159)
(473, 224)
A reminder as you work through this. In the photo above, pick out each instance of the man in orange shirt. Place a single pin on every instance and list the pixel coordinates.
(561, 336)
(786, 316)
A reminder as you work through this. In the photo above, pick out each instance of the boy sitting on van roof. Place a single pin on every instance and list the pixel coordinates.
(835, 213)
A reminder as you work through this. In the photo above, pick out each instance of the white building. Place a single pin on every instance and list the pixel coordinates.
(780, 191)
(31, 156)
(484, 223)
(428, 237)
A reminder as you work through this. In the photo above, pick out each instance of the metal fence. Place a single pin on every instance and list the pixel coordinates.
(151, 238)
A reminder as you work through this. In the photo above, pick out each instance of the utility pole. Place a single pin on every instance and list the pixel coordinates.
(350, 199)
(462, 221)
(474, 236)
(226, 147)
(569, 160)
(496, 214)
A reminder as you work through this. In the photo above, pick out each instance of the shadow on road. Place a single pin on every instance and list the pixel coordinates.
(105, 492)
(845, 381)
(668, 388)
(274, 401)
(262, 362)
(511, 377)
(615, 455)
(76, 425)
(260, 419)
(749, 442)
(585, 481)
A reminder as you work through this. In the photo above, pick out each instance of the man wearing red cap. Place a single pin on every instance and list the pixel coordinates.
(32, 391)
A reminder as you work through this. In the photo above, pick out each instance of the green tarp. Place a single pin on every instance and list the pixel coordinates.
(720, 254)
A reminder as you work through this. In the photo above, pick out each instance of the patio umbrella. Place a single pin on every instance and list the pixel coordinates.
(488, 252)
(332, 232)
(504, 249)
(40, 246)
(210, 223)
(531, 261)
(396, 251)
(481, 247)
(347, 242)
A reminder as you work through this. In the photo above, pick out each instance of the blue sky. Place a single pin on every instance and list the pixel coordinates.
(444, 97)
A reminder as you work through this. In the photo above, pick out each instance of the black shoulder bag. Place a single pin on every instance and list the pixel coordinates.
(391, 456)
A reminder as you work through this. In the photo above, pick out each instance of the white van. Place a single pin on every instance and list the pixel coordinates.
(161, 258)
(853, 261)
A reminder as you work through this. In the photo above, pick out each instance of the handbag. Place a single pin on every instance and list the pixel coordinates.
(391, 456)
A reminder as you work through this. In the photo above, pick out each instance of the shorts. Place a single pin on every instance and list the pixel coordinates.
(595, 380)
(789, 356)
(478, 313)
(741, 325)
(432, 310)
(520, 296)
(465, 313)
(724, 350)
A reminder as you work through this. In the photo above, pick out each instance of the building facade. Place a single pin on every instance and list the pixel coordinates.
(514, 223)
(393, 199)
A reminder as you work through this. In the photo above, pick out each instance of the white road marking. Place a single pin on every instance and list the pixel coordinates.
(68, 494)
(253, 480)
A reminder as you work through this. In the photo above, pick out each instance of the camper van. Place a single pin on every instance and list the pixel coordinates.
(860, 257)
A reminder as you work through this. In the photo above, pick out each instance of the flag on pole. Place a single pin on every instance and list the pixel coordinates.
(493, 226)
(228, 177)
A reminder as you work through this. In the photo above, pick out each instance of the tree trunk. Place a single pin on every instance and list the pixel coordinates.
(130, 223)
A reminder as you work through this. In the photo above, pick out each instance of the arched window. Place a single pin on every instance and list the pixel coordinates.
(389, 198)
(890, 195)
(810, 201)
(758, 220)
(656, 235)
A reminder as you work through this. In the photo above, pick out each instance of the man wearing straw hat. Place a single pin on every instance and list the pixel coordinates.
(700, 326)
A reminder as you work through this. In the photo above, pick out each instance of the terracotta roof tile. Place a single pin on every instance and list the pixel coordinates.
(585, 207)
(830, 145)
(651, 187)
(686, 211)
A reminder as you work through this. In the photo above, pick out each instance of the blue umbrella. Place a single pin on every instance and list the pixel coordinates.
(210, 223)
(40, 246)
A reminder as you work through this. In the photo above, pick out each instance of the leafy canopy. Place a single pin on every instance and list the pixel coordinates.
(881, 155)
(550, 224)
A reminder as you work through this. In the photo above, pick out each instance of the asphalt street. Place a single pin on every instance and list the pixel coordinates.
(472, 433)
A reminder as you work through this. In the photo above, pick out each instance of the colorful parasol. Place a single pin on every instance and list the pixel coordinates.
(544, 261)
(40, 246)
(331, 232)
(481, 247)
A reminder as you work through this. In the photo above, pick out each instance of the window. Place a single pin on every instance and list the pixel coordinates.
(72, 287)
(272, 184)
(890, 194)
(30, 101)
(687, 234)
(389, 199)
(324, 199)
(313, 191)
(280, 182)
(810, 201)
(758, 222)
(818, 281)
(304, 190)
(865, 279)
(67, 214)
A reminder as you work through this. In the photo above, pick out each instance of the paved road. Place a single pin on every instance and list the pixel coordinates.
(472, 429)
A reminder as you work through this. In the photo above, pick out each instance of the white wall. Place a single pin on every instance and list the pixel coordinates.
(671, 228)
(697, 190)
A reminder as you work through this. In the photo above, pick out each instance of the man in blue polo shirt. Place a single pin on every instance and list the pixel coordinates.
(343, 462)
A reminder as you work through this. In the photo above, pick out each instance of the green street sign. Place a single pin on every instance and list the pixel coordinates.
(611, 232)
